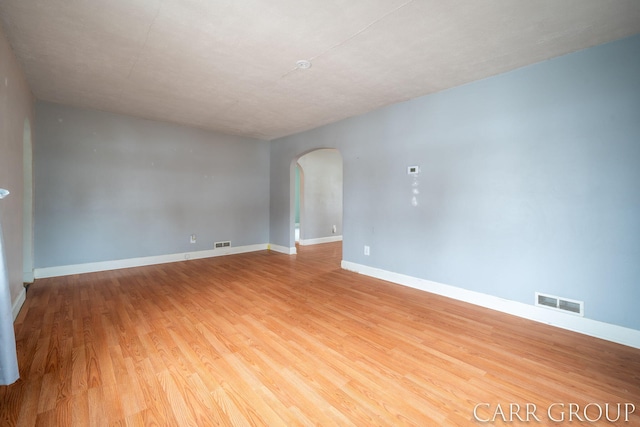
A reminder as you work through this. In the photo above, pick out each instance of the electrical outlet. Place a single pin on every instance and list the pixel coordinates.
(367, 250)
(193, 238)
(334, 229)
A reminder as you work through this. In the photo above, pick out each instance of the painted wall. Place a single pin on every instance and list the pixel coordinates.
(321, 194)
(529, 182)
(16, 105)
(112, 187)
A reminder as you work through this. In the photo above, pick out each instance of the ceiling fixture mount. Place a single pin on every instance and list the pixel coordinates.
(303, 64)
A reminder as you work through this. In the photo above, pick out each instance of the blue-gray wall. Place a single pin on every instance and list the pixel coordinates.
(111, 187)
(530, 181)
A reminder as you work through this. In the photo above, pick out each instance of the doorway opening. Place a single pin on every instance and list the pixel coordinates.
(318, 197)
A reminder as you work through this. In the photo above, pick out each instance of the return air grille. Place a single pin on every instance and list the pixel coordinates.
(561, 304)
(218, 245)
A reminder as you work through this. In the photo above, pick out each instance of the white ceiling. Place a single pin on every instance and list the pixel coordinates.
(229, 65)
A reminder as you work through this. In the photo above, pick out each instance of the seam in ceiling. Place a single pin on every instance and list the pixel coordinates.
(146, 39)
(362, 30)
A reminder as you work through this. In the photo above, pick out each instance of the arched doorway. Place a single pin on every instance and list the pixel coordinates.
(318, 176)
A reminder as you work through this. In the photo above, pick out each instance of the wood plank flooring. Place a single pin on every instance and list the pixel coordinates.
(270, 339)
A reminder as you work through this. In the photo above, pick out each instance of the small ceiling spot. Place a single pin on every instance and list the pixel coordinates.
(303, 64)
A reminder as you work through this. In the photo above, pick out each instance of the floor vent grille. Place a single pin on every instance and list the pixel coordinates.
(218, 245)
(561, 304)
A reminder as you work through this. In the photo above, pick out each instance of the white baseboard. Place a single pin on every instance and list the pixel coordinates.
(282, 249)
(28, 277)
(18, 303)
(594, 328)
(318, 240)
(92, 267)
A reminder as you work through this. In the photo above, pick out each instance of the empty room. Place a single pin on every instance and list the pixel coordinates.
(352, 213)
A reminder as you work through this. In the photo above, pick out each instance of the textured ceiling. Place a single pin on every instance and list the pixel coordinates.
(229, 65)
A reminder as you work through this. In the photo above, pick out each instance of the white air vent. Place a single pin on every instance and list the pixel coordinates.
(218, 245)
(561, 304)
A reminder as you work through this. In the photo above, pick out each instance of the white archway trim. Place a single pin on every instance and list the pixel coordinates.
(27, 205)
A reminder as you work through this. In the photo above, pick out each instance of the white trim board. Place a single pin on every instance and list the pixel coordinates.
(282, 249)
(594, 328)
(27, 277)
(318, 240)
(65, 270)
(18, 303)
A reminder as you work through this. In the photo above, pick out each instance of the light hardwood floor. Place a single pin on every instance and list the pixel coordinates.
(271, 339)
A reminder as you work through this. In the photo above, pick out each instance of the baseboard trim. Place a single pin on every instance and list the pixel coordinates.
(282, 249)
(318, 240)
(66, 270)
(18, 303)
(28, 277)
(583, 325)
